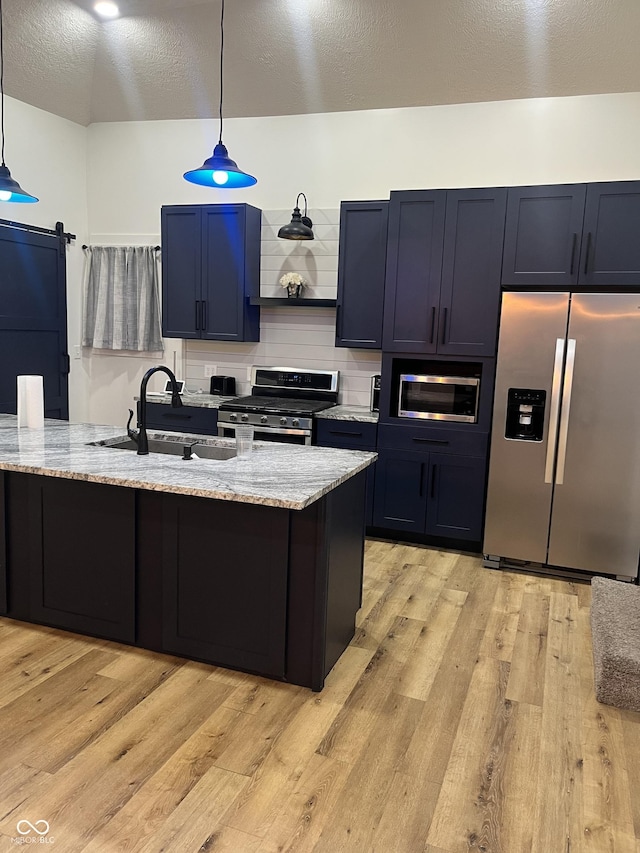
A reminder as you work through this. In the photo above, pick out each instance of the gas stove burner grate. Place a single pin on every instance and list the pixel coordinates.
(275, 405)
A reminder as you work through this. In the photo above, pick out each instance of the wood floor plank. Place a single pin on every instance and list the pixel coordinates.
(418, 674)
(502, 625)
(92, 787)
(369, 782)
(469, 811)
(528, 659)
(308, 808)
(406, 817)
(350, 732)
(290, 748)
(150, 807)
(559, 810)
(499, 742)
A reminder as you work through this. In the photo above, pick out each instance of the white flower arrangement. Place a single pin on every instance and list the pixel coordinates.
(292, 279)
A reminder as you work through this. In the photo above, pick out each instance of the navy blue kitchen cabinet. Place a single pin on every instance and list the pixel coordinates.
(210, 270)
(361, 273)
(197, 419)
(573, 235)
(611, 235)
(437, 494)
(351, 435)
(444, 257)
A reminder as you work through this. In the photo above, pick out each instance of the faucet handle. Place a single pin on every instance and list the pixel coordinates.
(130, 432)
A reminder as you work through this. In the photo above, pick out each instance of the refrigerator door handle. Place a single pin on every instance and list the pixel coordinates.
(566, 406)
(554, 410)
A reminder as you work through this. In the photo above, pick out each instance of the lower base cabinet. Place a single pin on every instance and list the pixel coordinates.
(351, 435)
(438, 494)
(262, 589)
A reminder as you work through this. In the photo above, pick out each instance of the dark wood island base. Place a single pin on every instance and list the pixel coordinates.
(256, 588)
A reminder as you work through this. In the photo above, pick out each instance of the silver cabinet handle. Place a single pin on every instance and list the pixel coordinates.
(554, 410)
(566, 406)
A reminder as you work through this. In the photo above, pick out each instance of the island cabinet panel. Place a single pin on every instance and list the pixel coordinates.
(361, 272)
(325, 582)
(225, 569)
(82, 555)
(210, 270)
(573, 235)
(4, 600)
(442, 289)
(351, 435)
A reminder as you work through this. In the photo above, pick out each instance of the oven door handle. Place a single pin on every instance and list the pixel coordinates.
(222, 425)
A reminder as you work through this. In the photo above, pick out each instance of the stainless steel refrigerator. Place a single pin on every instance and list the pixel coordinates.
(564, 473)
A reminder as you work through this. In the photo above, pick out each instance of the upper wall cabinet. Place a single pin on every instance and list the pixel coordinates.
(361, 272)
(444, 256)
(573, 235)
(210, 269)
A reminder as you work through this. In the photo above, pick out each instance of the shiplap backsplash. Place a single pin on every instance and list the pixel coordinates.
(296, 337)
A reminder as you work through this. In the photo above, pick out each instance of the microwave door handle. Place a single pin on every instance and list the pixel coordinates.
(566, 407)
(554, 410)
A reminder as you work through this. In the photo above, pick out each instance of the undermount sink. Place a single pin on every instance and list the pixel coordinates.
(171, 447)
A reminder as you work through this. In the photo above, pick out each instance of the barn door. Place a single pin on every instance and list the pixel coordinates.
(33, 317)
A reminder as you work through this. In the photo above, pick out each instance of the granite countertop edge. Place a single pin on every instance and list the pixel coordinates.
(277, 475)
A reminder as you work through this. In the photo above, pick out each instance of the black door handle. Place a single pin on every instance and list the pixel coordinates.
(430, 440)
(197, 315)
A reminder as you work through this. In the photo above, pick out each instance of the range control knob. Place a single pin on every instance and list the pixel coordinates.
(283, 421)
(264, 419)
(244, 418)
(233, 417)
(295, 422)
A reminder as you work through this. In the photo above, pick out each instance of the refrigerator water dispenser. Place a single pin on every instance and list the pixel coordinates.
(525, 414)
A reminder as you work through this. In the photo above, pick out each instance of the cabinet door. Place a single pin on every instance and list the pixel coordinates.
(225, 570)
(351, 435)
(197, 419)
(83, 557)
(361, 272)
(611, 241)
(414, 265)
(400, 490)
(470, 287)
(456, 496)
(181, 271)
(4, 602)
(543, 235)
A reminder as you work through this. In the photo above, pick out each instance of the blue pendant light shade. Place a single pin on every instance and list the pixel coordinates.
(10, 189)
(220, 170)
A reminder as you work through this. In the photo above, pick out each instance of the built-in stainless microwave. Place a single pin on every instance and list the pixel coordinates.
(439, 398)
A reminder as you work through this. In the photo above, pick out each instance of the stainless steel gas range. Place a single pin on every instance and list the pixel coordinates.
(282, 405)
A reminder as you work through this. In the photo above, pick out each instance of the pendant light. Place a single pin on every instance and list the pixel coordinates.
(220, 170)
(10, 189)
(300, 226)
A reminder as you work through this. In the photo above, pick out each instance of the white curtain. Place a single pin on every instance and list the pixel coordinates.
(122, 302)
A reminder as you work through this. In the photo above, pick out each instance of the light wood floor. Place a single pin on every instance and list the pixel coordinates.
(461, 718)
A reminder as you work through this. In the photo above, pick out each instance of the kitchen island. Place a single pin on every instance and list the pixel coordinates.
(254, 564)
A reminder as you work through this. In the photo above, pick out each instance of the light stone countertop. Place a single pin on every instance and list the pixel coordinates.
(189, 398)
(349, 413)
(212, 401)
(281, 475)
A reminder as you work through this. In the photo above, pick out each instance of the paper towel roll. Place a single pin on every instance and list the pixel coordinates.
(31, 402)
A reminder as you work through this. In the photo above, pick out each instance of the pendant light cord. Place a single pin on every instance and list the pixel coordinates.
(2, 84)
(221, 56)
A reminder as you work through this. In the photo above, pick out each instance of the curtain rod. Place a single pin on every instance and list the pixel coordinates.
(84, 246)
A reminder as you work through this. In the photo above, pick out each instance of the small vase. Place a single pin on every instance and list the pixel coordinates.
(294, 290)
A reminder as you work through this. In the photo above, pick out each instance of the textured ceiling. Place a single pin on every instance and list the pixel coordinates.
(160, 60)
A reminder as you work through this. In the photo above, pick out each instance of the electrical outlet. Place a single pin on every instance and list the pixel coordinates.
(210, 370)
(77, 351)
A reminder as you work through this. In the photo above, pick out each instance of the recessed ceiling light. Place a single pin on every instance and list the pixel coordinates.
(107, 9)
